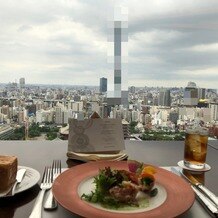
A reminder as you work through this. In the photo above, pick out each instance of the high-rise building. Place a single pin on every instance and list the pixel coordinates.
(119, 94)
(145, 100)
(173, 116)
(191, 94)
(22, 114)
(39, 115)
(103, 84)
(201, 93)
(214, 111)
(132, 89)
(58, 115)
(39, 105)
(45, 116)
(22, 83)
(5, 110)
(125, 125)
(164, 98)
(66, 115)
(135, 116)
(206, 114)
(154, 101)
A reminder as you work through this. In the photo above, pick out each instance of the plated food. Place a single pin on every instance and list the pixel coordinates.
(69, 186)
(115, 188)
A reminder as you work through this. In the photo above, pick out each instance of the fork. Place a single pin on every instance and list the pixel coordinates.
(45, 185)
(50, 202)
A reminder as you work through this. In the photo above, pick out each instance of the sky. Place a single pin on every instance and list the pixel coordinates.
(170, 42)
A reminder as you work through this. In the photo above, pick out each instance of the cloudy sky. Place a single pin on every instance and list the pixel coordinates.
(170, 42)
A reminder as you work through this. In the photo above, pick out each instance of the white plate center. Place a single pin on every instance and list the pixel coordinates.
(87, 185)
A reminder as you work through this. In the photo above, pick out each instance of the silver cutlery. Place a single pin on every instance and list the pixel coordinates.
(50, 202)
(19, 178)
(201, 187)
(45, 185)
(207, 202)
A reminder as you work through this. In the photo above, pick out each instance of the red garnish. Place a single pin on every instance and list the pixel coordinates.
(133, 165)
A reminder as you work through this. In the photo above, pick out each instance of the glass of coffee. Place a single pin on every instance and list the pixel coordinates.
(195, 147)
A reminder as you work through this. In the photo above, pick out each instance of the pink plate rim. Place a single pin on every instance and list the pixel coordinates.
(180, 196)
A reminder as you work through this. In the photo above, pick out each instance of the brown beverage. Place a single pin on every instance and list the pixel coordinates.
(195, 148)
(195, 176)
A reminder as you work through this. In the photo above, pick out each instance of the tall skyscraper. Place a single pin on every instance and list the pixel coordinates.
(58, 115)
(191, 94)
(132, 89)
(201, 93)
(22, 83)
(118, 94)
(214, 111)
(164, 98)
(103, 84)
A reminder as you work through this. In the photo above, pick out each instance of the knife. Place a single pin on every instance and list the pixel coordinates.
(210, 205)
(19, 178)
(201, 187)
(204, 189)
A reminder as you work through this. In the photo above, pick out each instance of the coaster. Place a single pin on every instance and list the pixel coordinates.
(205, 169)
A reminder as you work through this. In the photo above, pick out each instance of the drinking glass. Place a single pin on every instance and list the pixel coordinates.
(195, 147)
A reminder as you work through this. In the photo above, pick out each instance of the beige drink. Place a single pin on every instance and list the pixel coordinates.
(195, 148)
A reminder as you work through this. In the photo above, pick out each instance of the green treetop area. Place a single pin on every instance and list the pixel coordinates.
(162, 136)
(157, 135)
(35, 131)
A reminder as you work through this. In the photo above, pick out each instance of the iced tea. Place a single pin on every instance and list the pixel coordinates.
(195, 148)
(195, 176)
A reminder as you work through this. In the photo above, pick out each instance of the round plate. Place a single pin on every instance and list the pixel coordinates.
(67, 191)
(182, 165)
(30, 179)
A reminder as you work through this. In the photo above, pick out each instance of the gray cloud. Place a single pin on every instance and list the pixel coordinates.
(170, 42)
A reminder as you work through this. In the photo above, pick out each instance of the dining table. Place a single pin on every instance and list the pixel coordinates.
(37, 154)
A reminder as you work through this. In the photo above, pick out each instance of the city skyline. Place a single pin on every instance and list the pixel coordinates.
(97, 86)
(149, 109)
(171, 44)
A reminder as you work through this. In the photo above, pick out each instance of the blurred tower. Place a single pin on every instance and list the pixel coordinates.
(201, 93)
(5, 110)
(22, 83)
(103, 84)
(132, 89)
(118, 92)
(214, 111)
(191, 94)
(126, 131)
(58, 115)
(164, 98)
(26, 122)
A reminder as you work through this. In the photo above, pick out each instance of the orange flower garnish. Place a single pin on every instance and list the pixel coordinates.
(149, 170)
(147, 175)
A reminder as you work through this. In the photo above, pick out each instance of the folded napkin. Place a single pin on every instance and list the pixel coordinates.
(96, 156)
